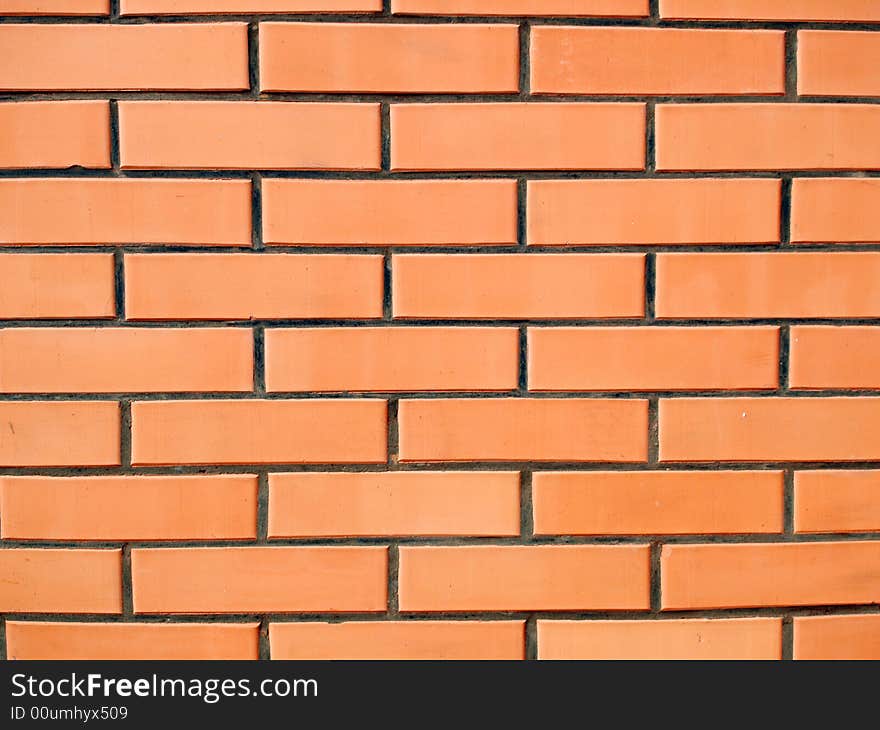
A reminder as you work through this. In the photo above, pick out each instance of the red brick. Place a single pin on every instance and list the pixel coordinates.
(55, 7)
(835, 357)
(842, 210)
(837, 637)
(522, 7)
(837, 501)
(785, 10)
(838, 63)
(177, 7)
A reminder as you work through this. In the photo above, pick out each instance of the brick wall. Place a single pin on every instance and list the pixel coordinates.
(439, 328)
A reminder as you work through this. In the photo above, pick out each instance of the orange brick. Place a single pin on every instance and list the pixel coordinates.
(259, 579)
(780, 574)
(54, 7)
(41, 433)
(769, 429)
(56, 285)
(392, 359)
(186, 135)
(837, 501)
(768, 137)
(215, 507)
(258, 432)
(523, 429)
(838, 63)
(578, 60)
(518, 286)
(60, 581)
(834, 10)
(252, 286)
(176, 7)
(371, 58)
(59, 211)
(837, 637)
(756, 285)
(125, 359)
(522, 7)
(123, 641)
(518, 136)
(700, 639)
(607, 212)
(389, 212)
(835, 357)
(171, 56)
(657, 503)
(398, 640)
(55, 134)
(524, 578)
(650, 358)
(835, 210)
(394, 504)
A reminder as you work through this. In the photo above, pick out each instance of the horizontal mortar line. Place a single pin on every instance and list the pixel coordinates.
(585, 323)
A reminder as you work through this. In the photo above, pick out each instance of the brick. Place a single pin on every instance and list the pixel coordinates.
(768, 137)
(55, 433)
(259, 579)
(840, 210)
(58, 211)
(522, 7)
(381, 504)
(392, 359)
(837, 501)
(383, 640)
(215, 507)
(47, 134)
(687, 639)
(523, 429)
(780, 574)
(125, 359)
(54, 7)
(760, 285)
(518, 136)
(838, 63)
(837, 637)
(56, 286)
(524, 578)
(168, 56)
(769, 429)
(60, 581)
(176, 7)
(650, 358)
(834, 357)
(518, 286)
(579, 60)
(646, 212)
(252, 286)
(187, 135)
(389, 212)
(657, 503)
(51, 640)
(833, 10)
(258, 432)
(377, 58)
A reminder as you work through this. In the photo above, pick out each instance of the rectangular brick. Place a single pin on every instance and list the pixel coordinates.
(838, 63)
(769, 429)
(390, 359)
(50, 640)
(252, 286)
(780, 574)
(259, 580)
(647, 212)
(785, 10)
(238, 7)
(58, 211)
(524, 578)
(125, 359)
(389, 212)
(837, 637)
(835, 357)
(281, 135)
(56, 286)
(58, 433)
(767, 285)
(523, 429)
(394, 504)
(518, 136)
(837, 501)
(382, 640)
(47, 134)
(631, 61)
(215, 507)
(521, 7)
(657, 503)
(166, 56)
(768, 137)
(518, 286)
(55, 7)
(650, 358)
(383, 58)
(687, 639)
(60, 581)
(843, 210)
(258, 432)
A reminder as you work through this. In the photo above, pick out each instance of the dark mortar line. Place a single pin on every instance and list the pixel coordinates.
(393, 434)
(253, 49)
(522, 193)
(259, 361)
(4, 655)
(791, 44)
(264, 652)
(119, 292)
(653, 436)
(385, 136)
(651, 137)
(525, 62)
(784, 359)
(387, 290)
(127, 590)
(655, 582)
(263, 507)
(650, 288)
(526, 507)
(531, 638)
(393, 589)
(523, 358)
(113, 106)
(788, 497)
(125, 434)
(785, 213)
(257, 212)
(787, 638)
